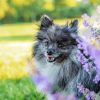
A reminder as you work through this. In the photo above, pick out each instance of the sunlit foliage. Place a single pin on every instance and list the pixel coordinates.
(4, 6)
(28, 10)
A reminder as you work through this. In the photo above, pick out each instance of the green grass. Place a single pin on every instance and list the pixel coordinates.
(17, 38)
(19, 89)
(20, 31)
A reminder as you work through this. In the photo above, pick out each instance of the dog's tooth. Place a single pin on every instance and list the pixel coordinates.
(52, 58)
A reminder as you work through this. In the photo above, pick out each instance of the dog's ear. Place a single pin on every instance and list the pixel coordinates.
(73, 26)
(45, 22)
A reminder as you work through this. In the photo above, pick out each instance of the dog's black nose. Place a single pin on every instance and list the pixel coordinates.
(50, 52)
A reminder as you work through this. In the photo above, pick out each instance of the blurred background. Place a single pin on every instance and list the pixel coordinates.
(18, 26)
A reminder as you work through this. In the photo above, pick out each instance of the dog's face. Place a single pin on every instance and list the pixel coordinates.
(56, 41)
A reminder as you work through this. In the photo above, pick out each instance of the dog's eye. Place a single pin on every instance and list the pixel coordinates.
(60, 45)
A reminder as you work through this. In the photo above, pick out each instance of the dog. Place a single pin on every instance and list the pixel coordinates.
(55, 57)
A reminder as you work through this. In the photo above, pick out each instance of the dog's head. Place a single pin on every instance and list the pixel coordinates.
(56, 41)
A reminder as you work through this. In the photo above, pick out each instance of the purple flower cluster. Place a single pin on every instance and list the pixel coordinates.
(94, 32)
(89, 95)
(89, 57)
(88, 54)
(42, 83)
(83, 55)
(85, 20)
(95, 53)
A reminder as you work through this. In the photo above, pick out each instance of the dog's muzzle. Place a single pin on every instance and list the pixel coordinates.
(50, 55)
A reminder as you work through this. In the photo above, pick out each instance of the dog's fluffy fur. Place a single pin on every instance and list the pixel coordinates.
(55, 55)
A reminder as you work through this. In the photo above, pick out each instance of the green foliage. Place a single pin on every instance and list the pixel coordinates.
(64, 11)
(29, 10)
(19, 89)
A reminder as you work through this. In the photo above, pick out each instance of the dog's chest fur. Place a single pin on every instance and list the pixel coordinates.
(48, 70)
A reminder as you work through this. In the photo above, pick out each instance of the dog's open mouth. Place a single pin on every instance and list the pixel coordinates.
(51, 58)
(60, 58)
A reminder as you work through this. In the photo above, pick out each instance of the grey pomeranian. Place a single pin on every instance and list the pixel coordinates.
(55, 54)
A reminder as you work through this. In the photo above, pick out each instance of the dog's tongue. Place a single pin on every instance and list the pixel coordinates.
(50, 58)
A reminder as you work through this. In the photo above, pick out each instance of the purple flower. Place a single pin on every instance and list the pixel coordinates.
(97, 58)
(37, 79)
(79, 46)
(57, 96)
(97, 78)
(41, 82)
(89, 95)
(86, 67)
(80, 88)
(71, 97)
(85, 20)
(86, 52)
(85, 23)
